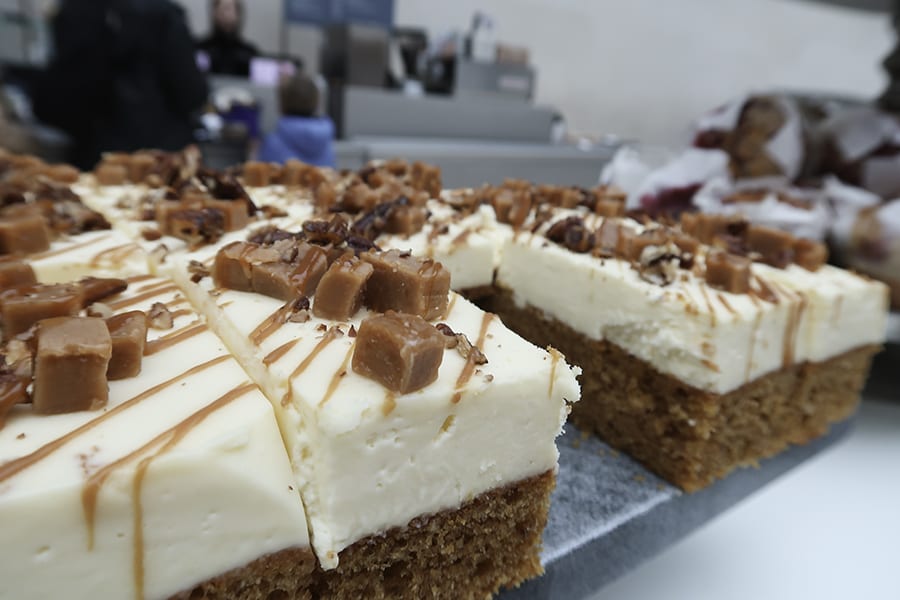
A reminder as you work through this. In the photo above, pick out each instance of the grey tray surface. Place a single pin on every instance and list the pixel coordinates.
(609, 514)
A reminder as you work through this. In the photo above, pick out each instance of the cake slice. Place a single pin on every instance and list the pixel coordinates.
(704, 346)
(172, 482)
(426, 459)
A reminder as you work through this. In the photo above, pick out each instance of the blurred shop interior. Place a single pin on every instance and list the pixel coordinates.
(486, 89)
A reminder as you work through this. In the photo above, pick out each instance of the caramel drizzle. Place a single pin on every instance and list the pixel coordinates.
(554, 361)
(132, 300)
(460, 239)
(18, 465)
(765, 293)
(276, 354)
(115, 254)
(337, 377)
(755, 332)
(725, 303)
(139, 278)
(795, 315)
(270, 325)
(61, 251)
(469, 367)
(170, 339)
(176, 434)
(183, 312)
(709, 305)
(329, 336)
(390, 403)
(155, 285)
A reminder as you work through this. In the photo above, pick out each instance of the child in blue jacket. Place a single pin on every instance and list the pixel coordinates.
(299, 133)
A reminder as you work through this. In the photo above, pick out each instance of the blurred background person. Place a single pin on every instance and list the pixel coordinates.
(299, 133)
(123, 77)
(226, 51)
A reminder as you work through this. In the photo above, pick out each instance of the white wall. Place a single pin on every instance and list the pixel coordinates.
(644, 68)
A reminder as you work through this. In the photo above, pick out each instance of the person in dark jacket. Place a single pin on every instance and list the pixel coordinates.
(299, 133)
(228, 52)
(123, 77)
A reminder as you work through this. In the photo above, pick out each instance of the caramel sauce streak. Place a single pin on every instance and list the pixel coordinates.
(469, 367)
(114, 255)
(159, 283)
(13, 467)
(270, 325)
(390, 403)
(709, 305)
(139, 278)
(276, 354)
(329, 336)
(753, 334)
(177, 434)
(183, 312)
(554, 358)
(132, 300)
(724, 301)
(792, 329)
(61, 251)
(177, 336)
(337, 377)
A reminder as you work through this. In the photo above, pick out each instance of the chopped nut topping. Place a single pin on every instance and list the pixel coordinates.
(571, 233)
(151, 234)
(13, 391)
(271, 212)
(659, 264)
(197, 270)
(197, 227)
(159, 316)
(73, 354)
(400, 351)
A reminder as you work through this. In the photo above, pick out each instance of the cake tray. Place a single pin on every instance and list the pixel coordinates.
(609, 514)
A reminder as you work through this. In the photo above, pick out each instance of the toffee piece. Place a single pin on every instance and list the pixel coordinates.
(128, 336)
(400, 351)
(72, 358)
(728, 272)
(23, 306)
(24, 233)
(407, 284)
(14, 273)
(340, 291)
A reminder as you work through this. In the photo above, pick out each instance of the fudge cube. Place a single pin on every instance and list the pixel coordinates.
(24, 234)
(810, 254)
(111, 174)
(23, 306)
(607, 207)
(232, 268)
(140, 166)
(340, 291)
(774, 246)
(15, 273)
(406, 220)
(234, 211)
(407, 284)
(293, 172)
(70, 365)
(257, 174)
(401, 352)
(426, 178)
(728, 272)
(633, 244)
(128, 335)
(288, 280)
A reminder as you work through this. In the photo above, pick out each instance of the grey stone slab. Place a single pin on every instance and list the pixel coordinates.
(609, 514)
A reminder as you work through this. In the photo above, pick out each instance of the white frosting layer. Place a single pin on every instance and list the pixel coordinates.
(217, 493)
(99, 253)
(709, 339)
(368, 461)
